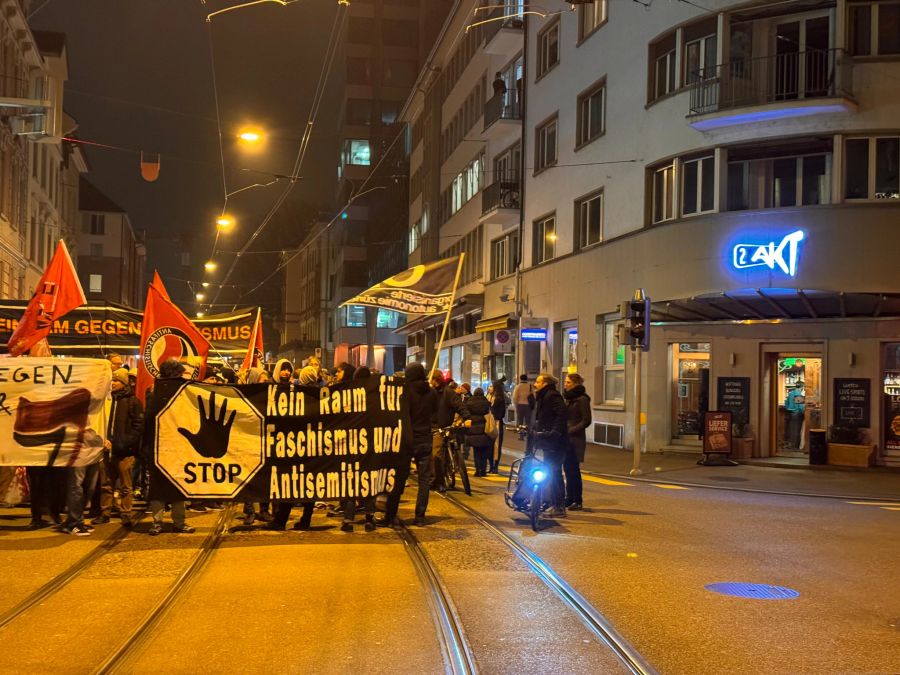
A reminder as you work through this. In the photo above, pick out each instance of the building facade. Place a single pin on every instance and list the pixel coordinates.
(740, 164)
(111, 257)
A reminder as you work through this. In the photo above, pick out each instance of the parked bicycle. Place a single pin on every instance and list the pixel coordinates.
(452, 460)
(525, 487)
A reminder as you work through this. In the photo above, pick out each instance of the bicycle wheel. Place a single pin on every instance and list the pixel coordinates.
(534, 507)
(449, 470)
(461, 468)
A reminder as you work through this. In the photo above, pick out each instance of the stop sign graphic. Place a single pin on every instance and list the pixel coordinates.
(209, 441)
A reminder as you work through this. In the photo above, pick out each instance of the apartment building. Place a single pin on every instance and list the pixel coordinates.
(739, 162)
(465, 137)
(111, 257)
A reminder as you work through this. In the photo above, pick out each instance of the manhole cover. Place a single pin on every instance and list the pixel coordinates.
(758, 591)
(729, 479)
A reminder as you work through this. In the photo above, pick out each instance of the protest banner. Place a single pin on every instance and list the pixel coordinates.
(52, 411)
(271, 442)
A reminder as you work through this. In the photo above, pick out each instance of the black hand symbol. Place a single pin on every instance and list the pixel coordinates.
(212, 438)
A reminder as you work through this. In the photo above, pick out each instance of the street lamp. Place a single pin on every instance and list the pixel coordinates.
(205, 284)
(224, 222)
(200, 297)
(251, 136)
(209, 266)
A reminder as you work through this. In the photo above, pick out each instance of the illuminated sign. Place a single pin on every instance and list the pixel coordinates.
(783, 255)
(533, 334)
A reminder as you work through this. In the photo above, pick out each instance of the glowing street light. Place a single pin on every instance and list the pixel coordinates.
(209, 266)
(205, 284)
(224, 222)
(200, 296)
(251, 136)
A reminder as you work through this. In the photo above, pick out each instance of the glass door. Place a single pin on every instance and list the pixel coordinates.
(690, 388)
(798, 401)
(802, 58)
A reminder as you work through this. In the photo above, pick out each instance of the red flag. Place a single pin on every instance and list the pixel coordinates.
(166, 333)
(157, 281)
(58, 292)
(255, 348)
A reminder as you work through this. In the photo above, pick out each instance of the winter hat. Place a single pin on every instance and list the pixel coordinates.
(121, 376)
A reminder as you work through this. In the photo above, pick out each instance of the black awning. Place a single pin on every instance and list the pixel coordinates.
(749, 304)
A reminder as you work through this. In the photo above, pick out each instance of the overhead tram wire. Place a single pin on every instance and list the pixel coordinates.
(337, 27)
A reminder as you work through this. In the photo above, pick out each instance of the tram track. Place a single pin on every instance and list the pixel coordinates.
(458, 655)
(595, 622)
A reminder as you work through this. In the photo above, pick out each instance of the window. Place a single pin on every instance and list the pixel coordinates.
(664, 193)
(771, 177)
(185, 258)
(356, 152)
(95, 283)
(466, 184)
(387, 318)
(545, 145)
(415, 236)
(96, 250)
(875, 28)
(358, 112)
(396, 33)
(353, 316)
(589, 220)
(390, 111)
(504, 254)
(544, 237)
(662, 73)
(613, 363)
(700, 59)
(592, 114)
(698, 185)
(592, 15)
(872, 168)
(97, 224)
(548, 49)
(359, 70)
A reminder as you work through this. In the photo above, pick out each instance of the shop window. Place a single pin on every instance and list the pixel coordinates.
(698, 185)
(874, 28)
(872, 168)
(589, 220)
(544, 236)
(591, 15)
(592, 114)
(773, 177)
(663, 205)
(548, 49)
(613, 363)
(545, 145)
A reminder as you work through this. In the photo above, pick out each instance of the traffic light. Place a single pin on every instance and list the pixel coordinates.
(638, 317)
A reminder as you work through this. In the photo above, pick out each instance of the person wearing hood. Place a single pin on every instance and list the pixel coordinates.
(422, 401)
(479, 408)
(344, 373)
(123, 432)
(284, 371)
(578, 404)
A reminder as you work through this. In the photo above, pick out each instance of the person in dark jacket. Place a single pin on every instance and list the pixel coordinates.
(170, 379)
(422, 402)
(499, 403)
(449, 405)
(481, 443)
(344, 373)
(550, 432)
(123, 433)
(578, 404)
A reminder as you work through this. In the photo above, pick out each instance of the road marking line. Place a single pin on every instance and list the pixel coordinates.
(670, 487)
(606, 481)
(875, 503)
(891, 508)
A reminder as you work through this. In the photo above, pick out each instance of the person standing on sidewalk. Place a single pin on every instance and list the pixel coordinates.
(123, 433)
(498, 410)
(550, 432)
(522, 399)
(578, 404)
(449, 404)
(481, 443)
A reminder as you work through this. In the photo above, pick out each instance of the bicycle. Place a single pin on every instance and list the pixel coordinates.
(525, 487)
(451, 455)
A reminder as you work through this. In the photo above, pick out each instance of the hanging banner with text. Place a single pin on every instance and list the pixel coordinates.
(273, 442)
(52, 411)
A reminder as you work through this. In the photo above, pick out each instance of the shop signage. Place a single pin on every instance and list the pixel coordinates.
(891, 422)
(782, 255)
(733, 394)
(717, 433)
(502, 342)
(533, 334)
(851, 401)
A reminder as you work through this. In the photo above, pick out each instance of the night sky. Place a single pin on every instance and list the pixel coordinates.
(140, 77)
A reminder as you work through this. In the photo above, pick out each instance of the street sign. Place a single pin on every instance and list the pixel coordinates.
(533, 334)
(502, 342)
(195, 446)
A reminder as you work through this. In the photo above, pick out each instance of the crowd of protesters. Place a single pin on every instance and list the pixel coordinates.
(552, 421)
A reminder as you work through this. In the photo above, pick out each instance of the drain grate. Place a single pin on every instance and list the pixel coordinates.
(757, 591)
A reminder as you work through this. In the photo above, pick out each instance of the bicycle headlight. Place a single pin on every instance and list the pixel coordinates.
(538, 475)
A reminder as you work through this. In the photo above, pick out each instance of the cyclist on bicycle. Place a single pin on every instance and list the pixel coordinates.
(449, 405)
(550, 434)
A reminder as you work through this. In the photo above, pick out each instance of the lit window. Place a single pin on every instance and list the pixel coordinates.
(544, 238)
(95, 283)
(357, 152)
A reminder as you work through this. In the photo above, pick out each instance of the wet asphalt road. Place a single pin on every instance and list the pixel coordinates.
(328, 601)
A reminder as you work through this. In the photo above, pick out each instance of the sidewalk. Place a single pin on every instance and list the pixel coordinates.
(797, 479)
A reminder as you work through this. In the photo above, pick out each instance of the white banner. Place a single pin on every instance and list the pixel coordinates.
(53, 411)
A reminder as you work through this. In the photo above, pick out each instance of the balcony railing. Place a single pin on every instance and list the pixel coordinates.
(504, 194)
(502, 106)
(493, 27)
(819, 73)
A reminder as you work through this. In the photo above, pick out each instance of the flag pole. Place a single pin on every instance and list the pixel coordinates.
(437, 351)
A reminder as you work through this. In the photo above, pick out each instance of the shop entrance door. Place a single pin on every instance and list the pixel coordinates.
(690, 388)
(797, 401)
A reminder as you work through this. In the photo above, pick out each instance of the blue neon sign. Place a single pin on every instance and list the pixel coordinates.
(533, 334)
(784, 254)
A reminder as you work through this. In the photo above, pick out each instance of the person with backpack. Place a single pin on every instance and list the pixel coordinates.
(476, 436)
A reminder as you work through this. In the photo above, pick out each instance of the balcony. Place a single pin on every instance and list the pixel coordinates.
(503, 36)
(501, 202)
(794, 84)
(503, 118)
